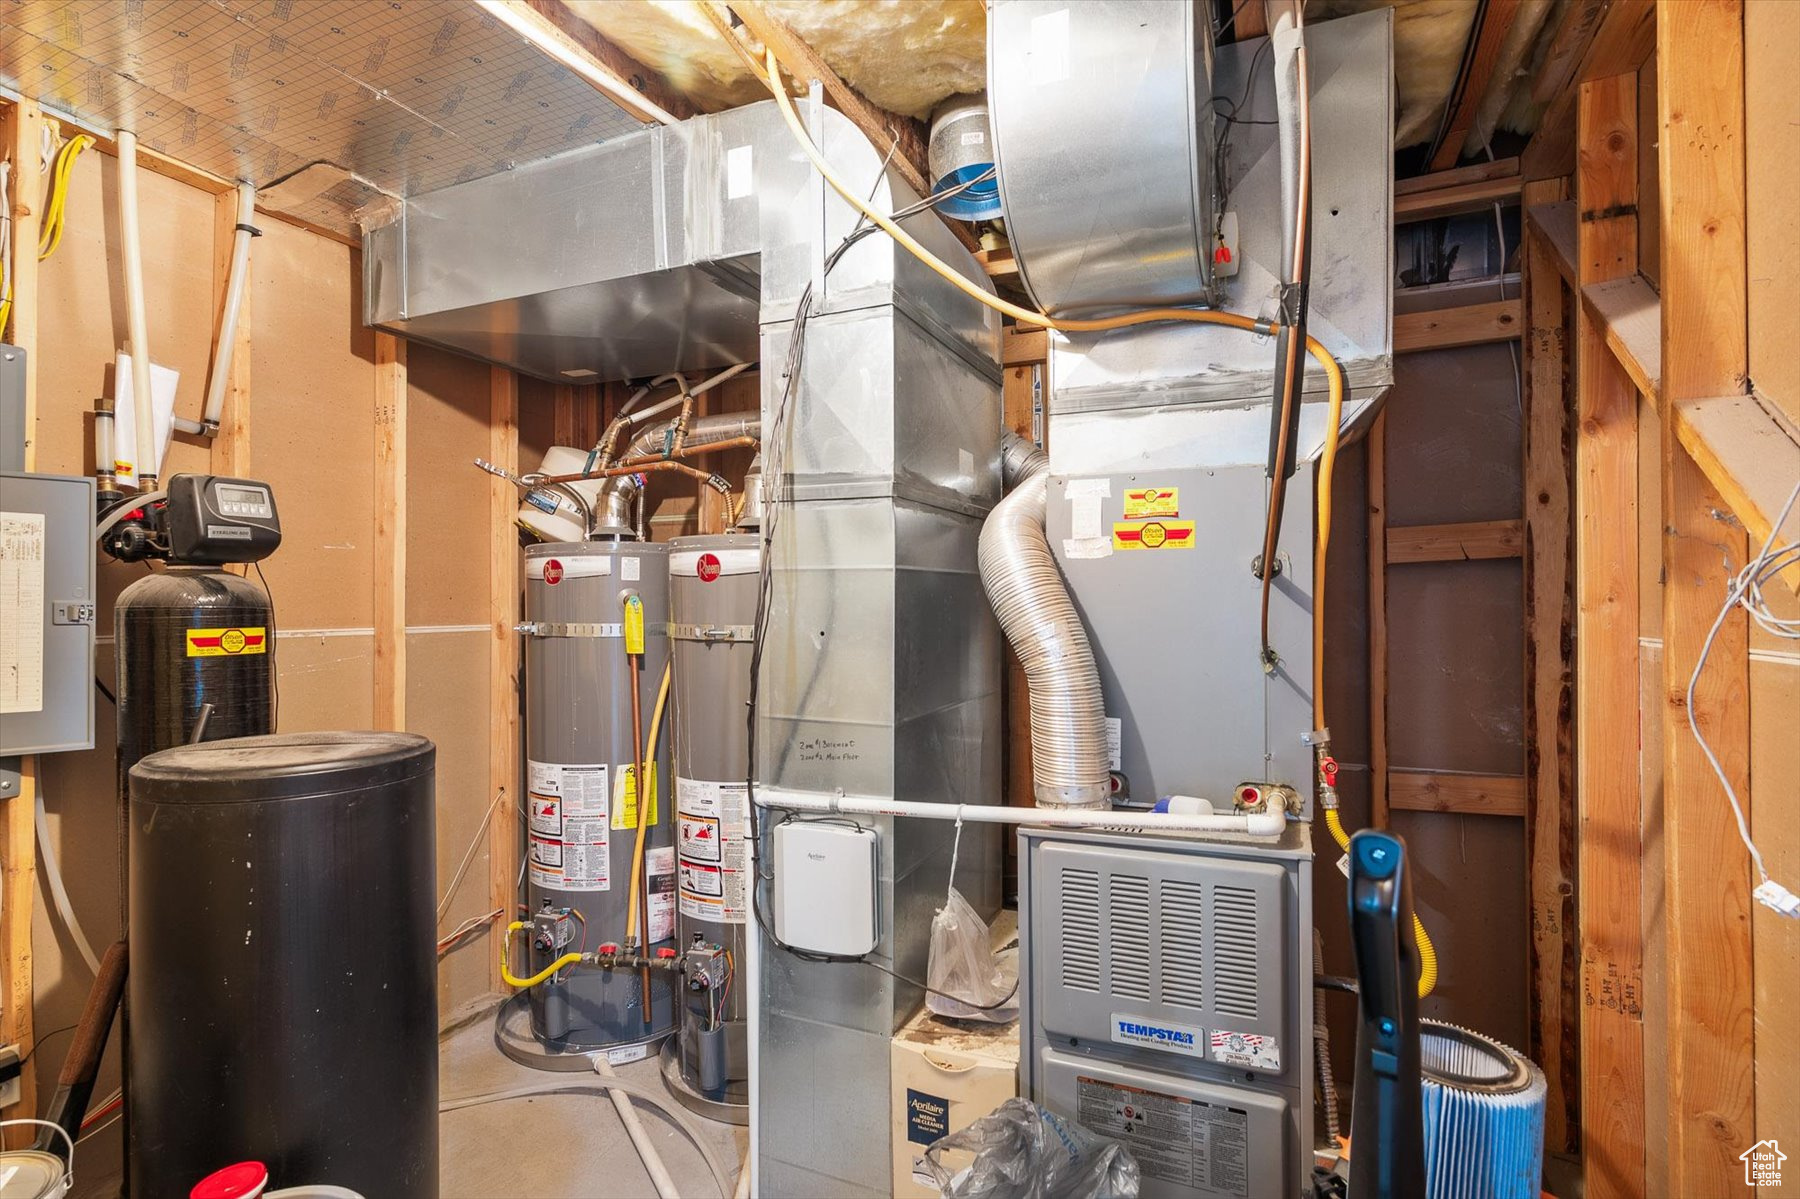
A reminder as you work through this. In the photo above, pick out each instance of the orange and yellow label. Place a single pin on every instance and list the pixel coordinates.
(1154, 535)
(226, 643)
(1152, 503)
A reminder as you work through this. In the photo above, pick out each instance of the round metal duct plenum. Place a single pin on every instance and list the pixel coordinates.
(1102, 125)
(1484, 1116)
(961, 149)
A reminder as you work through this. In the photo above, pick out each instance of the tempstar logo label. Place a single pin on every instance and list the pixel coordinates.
(1170, 1038)
(1762, 1164)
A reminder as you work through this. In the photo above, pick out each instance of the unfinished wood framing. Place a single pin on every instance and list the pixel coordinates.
(1712, 1100)
(1628, 313)
(1450, 199)
(1455, 542)
(231, 441)
(390, 532)
(1496, 20)
(1550, 685)
(503, 648)
(1606, 501)
(23, 129)
(552, 20)
(1445, 328)
(1378, 630)
(1467, 794)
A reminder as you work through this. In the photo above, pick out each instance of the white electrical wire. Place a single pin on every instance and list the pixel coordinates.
(69, 1168)
(468, 856)
(1746, 592)
(58, 893)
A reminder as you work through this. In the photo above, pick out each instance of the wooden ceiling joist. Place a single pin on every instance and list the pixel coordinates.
(1598, 38)
(555, 22)
(1495, 25)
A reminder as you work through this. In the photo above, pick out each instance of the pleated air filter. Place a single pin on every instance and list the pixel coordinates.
(1484, 1116)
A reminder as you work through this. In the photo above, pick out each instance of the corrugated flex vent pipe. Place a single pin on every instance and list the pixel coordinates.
(1031, 601)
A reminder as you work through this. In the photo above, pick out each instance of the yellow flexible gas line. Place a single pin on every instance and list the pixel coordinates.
(643, 804)
(51, 235)
(506, 974)
(1334, 375)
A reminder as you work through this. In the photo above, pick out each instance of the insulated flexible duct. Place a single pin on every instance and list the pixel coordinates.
(1031, 601)
(613, 508)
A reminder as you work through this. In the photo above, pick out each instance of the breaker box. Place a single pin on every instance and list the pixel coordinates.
(46, 613)
(1167, 1002)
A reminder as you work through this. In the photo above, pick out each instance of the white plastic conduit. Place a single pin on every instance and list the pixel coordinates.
(136, 325)
(836, 803)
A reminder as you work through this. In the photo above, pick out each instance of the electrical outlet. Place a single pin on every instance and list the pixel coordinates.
(9, 1075)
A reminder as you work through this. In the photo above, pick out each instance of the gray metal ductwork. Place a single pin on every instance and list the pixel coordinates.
(689, 247)
(1068, 716)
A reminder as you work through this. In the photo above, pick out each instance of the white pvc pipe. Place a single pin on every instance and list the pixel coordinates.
(634, 1128)
(137, 326)
(1256, 824)
(234, 302)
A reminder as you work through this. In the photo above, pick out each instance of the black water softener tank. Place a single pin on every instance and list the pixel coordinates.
(283, 993)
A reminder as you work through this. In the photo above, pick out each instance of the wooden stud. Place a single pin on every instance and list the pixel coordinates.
(563, 419)
(1549, 607)
(503, 647)
(1024, 346)
(1712, 1034)
(1475, 172)
(1497, 21)
(1598, 39)
(1606, 501)
(390, 532)
(1468, 794)
(1248, 21)
(1452, 198)
(1467, 325)
(1456, 542)
(24, 125)
(1378, 635)
(230, 453)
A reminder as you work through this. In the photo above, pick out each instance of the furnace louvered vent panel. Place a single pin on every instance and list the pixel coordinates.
(1192, 938)
(1182, 908)
(1081, 930)
(1236, 943)
(1129, 935)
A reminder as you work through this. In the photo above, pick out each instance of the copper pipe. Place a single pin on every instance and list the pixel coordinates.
(636, 465)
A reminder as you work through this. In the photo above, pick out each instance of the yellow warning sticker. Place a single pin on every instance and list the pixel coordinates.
(226, 643)
(625, 797)
(1150, 503)
(1154, 535)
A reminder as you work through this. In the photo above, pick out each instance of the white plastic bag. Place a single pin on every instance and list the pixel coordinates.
(967, 978)
(1024, 1152)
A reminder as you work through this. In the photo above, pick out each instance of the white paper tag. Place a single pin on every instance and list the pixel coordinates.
(1084, 488)
(1084, 517)
(1115, 737)
(22, 548)
(740, 173)
(1087, 547)
(1050, 47)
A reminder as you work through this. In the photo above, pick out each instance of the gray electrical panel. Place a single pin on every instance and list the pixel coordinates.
(1167, 1003)
(12, 408)
(46, 613)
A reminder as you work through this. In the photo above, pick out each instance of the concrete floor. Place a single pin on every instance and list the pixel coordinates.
(561, 1145)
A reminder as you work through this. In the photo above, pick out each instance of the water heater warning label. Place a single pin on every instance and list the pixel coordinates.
(570, 842)
(1203, 1146)
(715, 858)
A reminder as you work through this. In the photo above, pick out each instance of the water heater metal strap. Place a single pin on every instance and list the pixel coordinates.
(582, 629)
(712, 632)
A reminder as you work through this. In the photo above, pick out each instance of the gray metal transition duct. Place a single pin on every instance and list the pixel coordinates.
(1069, 761)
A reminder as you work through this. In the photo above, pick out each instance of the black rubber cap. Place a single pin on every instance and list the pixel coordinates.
(280, 766)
